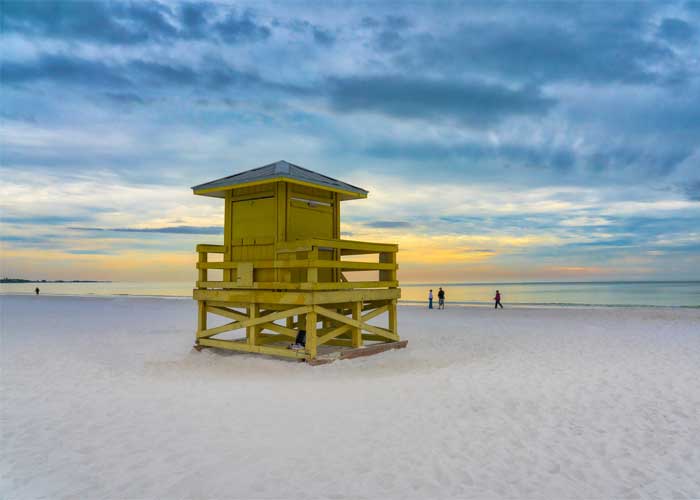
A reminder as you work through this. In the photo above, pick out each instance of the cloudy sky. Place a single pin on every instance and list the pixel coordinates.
(528, 141)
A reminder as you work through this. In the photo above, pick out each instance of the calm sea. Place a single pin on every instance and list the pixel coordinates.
(621, 293)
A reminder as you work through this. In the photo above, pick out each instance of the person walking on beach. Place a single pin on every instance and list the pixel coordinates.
(430, 299)
(497, 298)
(36, 290)
(441, 299)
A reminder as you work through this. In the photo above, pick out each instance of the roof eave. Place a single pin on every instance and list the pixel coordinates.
(218, 191)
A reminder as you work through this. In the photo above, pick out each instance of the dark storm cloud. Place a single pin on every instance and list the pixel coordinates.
(91, 252)
(119, 23)
(652, 162)
(241, 28)
(60, 68)
(165, 230)
(572, 42)
(22, 239)
(195, 18)
(320, 35)
(387, 224)
(392, 22)
(389, 41)
(555, 158)
(692, 190)
(125, 98)
(121, 79)
(128, 23)
(523, 160)
(170, 74)
(388, 31)
(48, 220)
(474, 103)
(323, 37)
(676, 30)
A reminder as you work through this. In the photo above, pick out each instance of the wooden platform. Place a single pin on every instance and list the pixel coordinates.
(301, 288)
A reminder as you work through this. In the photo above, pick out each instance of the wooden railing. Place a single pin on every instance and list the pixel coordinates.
(310, 264)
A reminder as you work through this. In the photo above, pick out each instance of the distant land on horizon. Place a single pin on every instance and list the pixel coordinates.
(20, 280)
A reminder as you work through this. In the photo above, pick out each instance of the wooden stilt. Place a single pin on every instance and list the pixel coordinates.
(356, 330)
(311, 338)
(201, 316)
(252, 331)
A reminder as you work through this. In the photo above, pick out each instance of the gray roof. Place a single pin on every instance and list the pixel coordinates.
(277, 170)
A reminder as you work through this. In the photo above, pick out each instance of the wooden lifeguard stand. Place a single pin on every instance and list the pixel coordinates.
(283, 270)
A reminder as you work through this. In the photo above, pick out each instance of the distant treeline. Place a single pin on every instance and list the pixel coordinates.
(19, 280)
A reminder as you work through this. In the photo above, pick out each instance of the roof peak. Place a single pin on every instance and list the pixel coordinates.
(282, 167)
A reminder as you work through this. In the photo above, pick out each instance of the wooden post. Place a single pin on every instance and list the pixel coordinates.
(336, 235)
(312, 272)
(387, 258)
(201, 316)
(357, 331)
(228, 249)
(393, 318)
(281, 195)
(202, 272)
(311, 338)
(252, 331)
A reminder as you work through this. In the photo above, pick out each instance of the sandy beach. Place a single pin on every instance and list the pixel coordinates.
(104, 398)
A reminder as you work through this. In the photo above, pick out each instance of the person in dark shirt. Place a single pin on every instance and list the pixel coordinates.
(36, 290)
(441, 299)
(497, 298)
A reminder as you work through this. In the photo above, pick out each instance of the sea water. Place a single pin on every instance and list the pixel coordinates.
(610, 293)
(619, 293)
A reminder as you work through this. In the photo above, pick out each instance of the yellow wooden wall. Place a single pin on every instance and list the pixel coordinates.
(257, 217)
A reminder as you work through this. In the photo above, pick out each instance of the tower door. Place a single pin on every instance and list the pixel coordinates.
(312, 219)
(254, 226)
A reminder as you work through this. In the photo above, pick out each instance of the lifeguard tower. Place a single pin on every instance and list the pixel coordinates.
(283, 269)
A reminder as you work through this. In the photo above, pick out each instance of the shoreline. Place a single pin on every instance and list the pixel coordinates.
(409, 303)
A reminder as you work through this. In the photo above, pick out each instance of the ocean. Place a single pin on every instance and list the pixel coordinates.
(610, 293)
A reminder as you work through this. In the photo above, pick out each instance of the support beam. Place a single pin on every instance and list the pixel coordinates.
(356, 330)
(393, 319)
(311, 339)
(332, 334)
(233, 345)
(227, 313)
(343, 319)
(201, 316)
(266, 338)
(287, 332)
(218, 329)
(252, 330)
(375, 313)
(296, 298)
(248, 322)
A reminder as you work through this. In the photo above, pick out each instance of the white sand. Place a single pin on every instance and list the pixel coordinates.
(103, 398)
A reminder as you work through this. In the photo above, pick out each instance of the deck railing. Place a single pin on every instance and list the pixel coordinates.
(309, 264)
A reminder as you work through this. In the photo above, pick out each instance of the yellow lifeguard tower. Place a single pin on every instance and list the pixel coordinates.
(283, 269)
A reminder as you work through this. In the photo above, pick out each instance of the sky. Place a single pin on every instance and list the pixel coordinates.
(499, 141)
